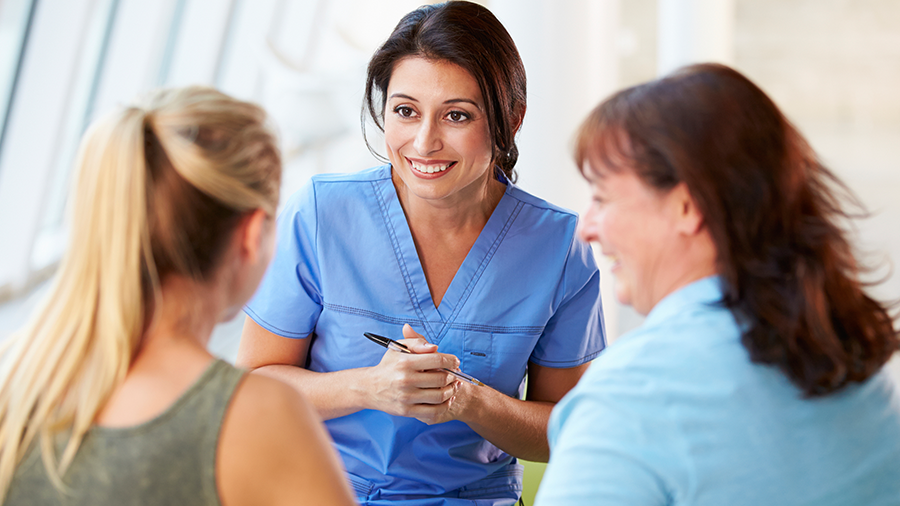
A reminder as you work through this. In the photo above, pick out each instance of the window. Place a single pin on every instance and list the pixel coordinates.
(15, 20)
(50, 239)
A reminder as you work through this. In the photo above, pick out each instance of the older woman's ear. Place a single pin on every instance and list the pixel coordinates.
(689, 219)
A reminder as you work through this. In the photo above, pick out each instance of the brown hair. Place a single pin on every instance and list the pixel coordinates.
(772, 209)
(470, 36)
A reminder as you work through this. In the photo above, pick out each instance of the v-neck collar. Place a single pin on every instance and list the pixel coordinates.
(437, 320)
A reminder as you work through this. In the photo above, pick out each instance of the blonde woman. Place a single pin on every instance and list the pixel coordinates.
(109, 396)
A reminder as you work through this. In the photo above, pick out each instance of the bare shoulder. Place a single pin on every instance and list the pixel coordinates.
(274, 449)
(266, 402)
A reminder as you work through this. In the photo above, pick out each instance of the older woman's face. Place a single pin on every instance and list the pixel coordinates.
(633, 224)
(436, 131)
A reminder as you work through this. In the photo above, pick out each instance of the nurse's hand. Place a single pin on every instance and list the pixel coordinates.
(412, 384)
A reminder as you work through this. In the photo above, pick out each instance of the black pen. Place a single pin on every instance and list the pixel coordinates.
(400, 347)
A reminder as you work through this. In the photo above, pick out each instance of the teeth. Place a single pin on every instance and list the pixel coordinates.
(430, 169)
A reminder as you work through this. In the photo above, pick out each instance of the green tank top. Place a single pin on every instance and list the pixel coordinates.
(168, 460)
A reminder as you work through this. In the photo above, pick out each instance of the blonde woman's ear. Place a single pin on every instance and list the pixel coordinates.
(253, 234)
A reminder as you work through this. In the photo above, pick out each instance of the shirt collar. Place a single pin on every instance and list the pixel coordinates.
(706, 291)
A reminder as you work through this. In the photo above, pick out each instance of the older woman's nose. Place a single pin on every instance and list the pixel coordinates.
(587, 226)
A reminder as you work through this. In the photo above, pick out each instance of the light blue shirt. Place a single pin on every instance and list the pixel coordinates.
(346, 264)
(674, 413)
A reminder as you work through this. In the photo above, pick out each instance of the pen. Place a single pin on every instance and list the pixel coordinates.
(396, 346)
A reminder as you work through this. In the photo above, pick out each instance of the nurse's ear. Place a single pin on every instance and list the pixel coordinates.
(519, 118)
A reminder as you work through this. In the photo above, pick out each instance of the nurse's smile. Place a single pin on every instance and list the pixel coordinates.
(430, 169)
(437, 135)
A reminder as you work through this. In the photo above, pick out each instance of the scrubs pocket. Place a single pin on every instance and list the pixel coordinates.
(501, 488)
(511, 352)
(361, 486)
(478, 355)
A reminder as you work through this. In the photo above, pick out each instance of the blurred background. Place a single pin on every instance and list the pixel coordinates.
(832, 65)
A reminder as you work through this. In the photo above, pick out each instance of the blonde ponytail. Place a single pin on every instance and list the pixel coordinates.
(138, 174)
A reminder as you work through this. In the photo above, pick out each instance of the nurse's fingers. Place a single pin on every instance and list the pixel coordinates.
(409, 333)
(416, 342)
(418, 345)
(433, 413)
(431, 396)
(428, 361)
(432, 379)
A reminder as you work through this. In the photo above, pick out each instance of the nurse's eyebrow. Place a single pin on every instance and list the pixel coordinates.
(401, 95)
(451, 101)
(465, 100)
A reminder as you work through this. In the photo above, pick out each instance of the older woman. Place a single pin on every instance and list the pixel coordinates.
(438, 246)
(757, 376)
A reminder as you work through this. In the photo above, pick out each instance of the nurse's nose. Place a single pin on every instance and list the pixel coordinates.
(428, 139)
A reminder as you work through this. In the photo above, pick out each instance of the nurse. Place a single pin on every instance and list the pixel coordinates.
(441, 248)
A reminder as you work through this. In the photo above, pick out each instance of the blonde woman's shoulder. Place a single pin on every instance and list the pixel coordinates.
(273, 449)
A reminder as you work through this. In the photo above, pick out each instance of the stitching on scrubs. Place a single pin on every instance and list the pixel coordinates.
(487, 491)
(371, 314)
(499, 329)
(488, 485)
(564, 279)
(362, 486)
(579, 361)
(395, 244)
(478, 272)
(496, 329)
(316, 233)
(283, 333)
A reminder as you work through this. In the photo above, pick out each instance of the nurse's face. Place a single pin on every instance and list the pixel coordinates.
(436, 132)
(633, 225)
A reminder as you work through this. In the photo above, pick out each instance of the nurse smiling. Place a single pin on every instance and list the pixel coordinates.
(437, 138)
(431, 249)
(439, 145)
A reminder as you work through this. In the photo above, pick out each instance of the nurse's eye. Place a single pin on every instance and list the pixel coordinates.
(404, 111)
(458, 116)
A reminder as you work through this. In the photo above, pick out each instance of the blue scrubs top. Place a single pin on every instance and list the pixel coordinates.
(528, 291)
